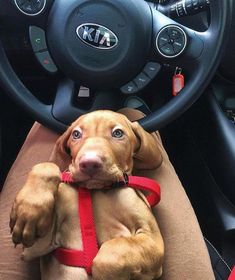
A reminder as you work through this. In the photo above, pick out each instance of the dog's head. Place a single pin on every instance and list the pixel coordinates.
(102, 145)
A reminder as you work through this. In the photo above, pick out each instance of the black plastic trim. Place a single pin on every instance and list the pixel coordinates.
(221, 153)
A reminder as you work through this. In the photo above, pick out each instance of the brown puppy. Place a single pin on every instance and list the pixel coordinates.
(100, 147)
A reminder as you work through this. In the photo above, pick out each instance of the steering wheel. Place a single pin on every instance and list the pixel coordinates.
(108, 44)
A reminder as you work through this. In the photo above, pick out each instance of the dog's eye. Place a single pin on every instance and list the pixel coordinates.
(117, 133)
(76, 134)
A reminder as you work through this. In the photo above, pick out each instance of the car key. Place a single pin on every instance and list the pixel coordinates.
(177, 81)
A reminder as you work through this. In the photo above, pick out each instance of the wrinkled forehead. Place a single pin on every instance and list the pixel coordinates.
(101, 120)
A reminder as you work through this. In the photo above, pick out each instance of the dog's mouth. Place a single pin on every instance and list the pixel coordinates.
(98, 180)
(99, 183)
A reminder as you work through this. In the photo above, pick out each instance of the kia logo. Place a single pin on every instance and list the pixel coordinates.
(97, 36)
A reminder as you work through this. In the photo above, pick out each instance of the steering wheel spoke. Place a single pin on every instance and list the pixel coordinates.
(63, 108)
(69, 105)
(174, 43)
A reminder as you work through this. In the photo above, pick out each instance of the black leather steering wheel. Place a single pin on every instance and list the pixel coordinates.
(105, 44)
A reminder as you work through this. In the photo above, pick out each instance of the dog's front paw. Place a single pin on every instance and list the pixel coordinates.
(31, 218)
(106, 267)
(32, 211)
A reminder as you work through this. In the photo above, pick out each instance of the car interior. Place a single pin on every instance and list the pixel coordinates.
(46, 77)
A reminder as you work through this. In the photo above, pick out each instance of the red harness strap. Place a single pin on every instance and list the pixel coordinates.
(84, 258)
(146, 184)
(232, 274)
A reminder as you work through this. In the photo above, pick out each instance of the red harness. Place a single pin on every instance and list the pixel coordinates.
(232, 274)
(84, 258)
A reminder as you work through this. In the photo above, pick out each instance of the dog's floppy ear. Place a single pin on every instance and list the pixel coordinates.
(147, 154)
(61, 153)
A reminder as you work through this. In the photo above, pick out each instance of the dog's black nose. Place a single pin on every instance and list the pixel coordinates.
(90, 165)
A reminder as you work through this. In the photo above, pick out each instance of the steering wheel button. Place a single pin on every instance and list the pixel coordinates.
(176, 43)
(174, 33)
(164, 38)
(37, 38)
(30, 7)
(178, 46)
(46, 61)
(151, 69)
(167, 50)
(129, 88)
(27, 8)
(141, 80)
